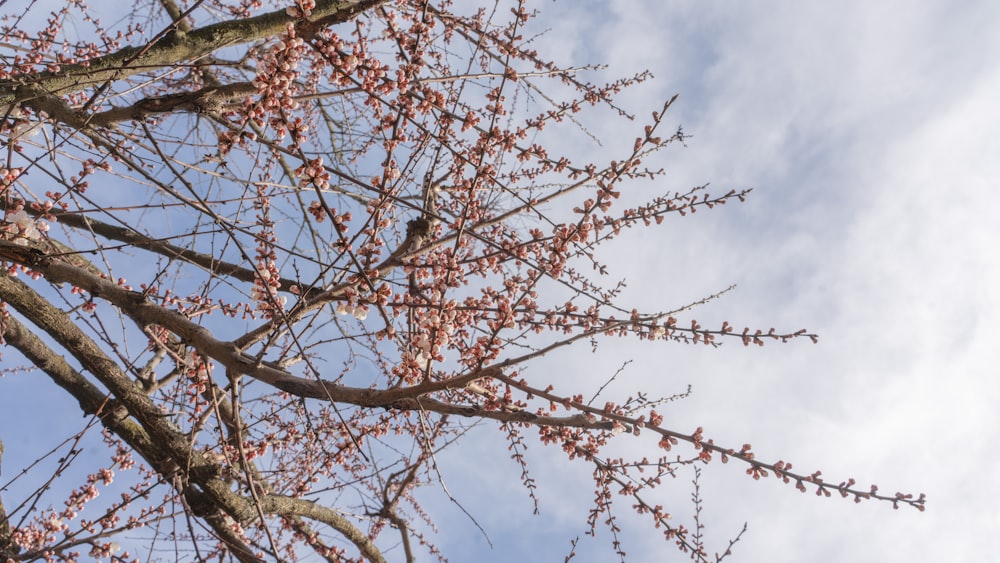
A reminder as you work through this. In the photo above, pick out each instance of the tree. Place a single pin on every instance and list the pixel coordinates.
(280, 257)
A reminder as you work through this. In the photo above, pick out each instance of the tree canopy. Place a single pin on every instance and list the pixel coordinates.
(282, 255)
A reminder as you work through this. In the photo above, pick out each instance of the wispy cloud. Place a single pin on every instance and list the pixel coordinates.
(869, 132)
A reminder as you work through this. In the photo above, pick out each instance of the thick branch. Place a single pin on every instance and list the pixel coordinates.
(206, 100)
(158, 440)
(112, 414)
(288, 506)
(95, 402)
(92, 400)
(61, 328)
(174, 48)
(145, 313)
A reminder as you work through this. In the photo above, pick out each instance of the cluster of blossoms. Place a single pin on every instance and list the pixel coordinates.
(37, 535)
(265, 289)
(313, 174)
(302, 9)
(266, 283)
(432, 335)
(21, 228)
(277, 85)
(8, 176)
(199, 372)
(359, 312)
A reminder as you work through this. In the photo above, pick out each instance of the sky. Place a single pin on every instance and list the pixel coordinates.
(868, 132)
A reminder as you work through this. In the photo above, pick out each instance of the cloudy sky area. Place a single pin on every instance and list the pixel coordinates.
(868, 131)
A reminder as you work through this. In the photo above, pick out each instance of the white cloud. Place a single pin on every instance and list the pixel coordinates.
(870, 133)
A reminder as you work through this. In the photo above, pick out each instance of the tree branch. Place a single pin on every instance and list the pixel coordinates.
(137, 307)
(7, 548)
(206, 100)
(135, 239)
(289, 506)
(173, 47)
(151, 434)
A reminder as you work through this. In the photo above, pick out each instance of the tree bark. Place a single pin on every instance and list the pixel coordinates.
(174, 46)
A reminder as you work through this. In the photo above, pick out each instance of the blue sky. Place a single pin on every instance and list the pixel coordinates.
(868, 132)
